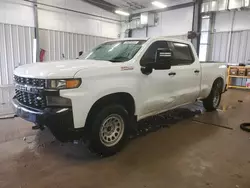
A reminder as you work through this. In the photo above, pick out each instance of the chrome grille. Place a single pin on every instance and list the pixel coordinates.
(30, 81)
(30, 99)
(30, 92)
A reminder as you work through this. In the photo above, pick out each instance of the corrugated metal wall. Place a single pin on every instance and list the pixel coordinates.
(6, 95)
(57, 43)
(237, 52)
(16, 43)
(16, 46)
(240, 48)
(181, 37)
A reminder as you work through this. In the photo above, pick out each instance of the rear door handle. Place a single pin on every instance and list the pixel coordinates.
(196, 71)
(172, 74)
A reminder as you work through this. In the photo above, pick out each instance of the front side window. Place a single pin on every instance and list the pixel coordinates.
(151, 53)
(182, 54)
(116, 51)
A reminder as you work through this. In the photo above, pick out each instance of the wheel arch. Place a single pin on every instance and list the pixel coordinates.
(123, 98)
(212, 101)
(219, 79)
(206, 91)
(216, 80)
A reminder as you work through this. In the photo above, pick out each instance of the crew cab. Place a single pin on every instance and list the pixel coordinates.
(100, 97)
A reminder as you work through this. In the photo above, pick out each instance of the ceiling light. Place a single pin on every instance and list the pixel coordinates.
(122, 13)
(159, 4)
(205, 17)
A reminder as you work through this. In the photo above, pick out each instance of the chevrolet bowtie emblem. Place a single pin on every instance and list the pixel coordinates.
(39, 98)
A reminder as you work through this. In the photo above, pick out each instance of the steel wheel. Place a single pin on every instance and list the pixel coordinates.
(212, 102)
(217, 94)
(216, 98)
(111, 130)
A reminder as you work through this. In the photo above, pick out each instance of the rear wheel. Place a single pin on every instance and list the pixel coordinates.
(212, 102)
(108, 130)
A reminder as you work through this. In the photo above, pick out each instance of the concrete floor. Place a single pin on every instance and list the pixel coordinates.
(206, 151)
(6, 95)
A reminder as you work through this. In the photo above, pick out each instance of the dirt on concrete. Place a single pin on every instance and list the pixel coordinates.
(193, 152)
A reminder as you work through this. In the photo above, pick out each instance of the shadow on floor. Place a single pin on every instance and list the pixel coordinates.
(166, 119)
(187, 154)
(164, 148)
(46, 143)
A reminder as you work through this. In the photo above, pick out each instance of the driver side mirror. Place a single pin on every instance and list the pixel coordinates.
(163, 59)
(80, 53)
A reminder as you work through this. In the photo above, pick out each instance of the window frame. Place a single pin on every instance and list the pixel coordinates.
(170, 46)
(150, 46)
(189, 48)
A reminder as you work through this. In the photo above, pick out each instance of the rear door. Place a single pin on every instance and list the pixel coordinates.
(187, 73)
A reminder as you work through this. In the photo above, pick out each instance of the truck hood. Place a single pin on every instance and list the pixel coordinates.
(59, 69)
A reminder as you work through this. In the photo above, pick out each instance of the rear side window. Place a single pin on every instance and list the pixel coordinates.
(182, 54)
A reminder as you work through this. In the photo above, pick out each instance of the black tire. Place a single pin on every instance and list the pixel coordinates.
(245, 127)
(95, 141)
(212, 102)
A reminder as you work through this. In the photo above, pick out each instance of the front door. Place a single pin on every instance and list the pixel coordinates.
(157, 91)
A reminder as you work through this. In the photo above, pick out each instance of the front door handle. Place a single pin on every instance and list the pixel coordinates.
(196, 71)
(172, 74)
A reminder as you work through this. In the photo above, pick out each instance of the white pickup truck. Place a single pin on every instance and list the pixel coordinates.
(100, 97)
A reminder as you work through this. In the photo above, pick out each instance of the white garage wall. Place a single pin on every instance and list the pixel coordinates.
(171, 23)
(16, 12)
(139, 33)
(65, 32)
(15, 49)
(231, 47)
(19, 12)
(59, 45)
(61, 32)
(16, 35)
(174, 22)
(223, 21)
(60, 20)
(238, 51)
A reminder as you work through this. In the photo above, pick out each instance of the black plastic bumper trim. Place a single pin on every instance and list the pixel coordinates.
(58, 120)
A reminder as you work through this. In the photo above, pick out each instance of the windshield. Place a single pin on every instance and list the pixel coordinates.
(116, 51)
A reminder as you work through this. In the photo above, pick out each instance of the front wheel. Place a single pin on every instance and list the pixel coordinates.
(108, 131)
(212, 102)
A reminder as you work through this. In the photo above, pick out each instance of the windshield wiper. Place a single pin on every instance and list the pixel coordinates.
(115, 61)
(119, 59)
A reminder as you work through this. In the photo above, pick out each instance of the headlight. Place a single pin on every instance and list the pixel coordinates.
(58, 101)
(63, 84)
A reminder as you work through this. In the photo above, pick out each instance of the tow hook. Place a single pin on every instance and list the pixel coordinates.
(37, 126)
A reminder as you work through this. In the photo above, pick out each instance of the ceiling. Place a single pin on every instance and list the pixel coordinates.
(132, 6)
(126, 5)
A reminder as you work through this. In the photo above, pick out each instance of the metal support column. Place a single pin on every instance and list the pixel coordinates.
(130, 30)
(230, 37)
(210, 37)
(197, 24)
(146, 30)
(36, 31)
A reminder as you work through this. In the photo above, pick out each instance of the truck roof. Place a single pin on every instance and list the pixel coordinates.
(153, 38)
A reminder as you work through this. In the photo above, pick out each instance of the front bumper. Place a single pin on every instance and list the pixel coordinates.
(58, 120)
